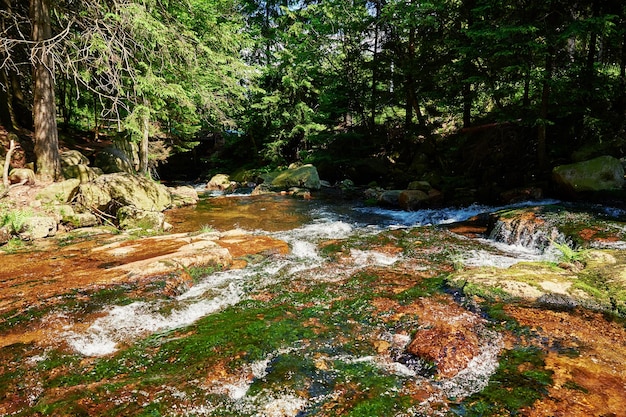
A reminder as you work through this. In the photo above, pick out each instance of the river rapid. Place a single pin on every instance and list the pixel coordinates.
(359, 318)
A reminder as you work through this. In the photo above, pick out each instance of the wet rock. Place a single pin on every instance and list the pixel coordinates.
(221, 182)
(448, 337)
(390, 198)
(599, 174)
(304, 176)
(517, 195)
(183, 196)
(416, 199)
(524, 227)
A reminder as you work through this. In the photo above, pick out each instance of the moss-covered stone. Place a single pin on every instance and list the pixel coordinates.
(599, 174)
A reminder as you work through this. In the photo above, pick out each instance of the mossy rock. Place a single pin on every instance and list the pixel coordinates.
(73, 157)
(131, 218)
(81, 172)
(59, 192)
(305, 176)
(111, 191)
(599, 174)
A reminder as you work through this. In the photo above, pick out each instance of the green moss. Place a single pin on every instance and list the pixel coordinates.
(520, 380)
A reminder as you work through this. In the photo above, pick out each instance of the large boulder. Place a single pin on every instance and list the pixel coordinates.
(22, 176)
(111, 160)
(37, 227)
(220, 182)
(81, 172)
(59, 192)
(130, 218)
(183, 195)
(604, 173)
(304, 176)
(111, 191)
(73, 157)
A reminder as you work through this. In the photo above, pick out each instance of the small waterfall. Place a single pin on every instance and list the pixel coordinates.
(526, 230)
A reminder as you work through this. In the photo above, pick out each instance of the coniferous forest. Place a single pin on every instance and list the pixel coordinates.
(463, 93)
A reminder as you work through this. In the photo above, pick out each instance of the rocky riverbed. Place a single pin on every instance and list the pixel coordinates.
(324, 317)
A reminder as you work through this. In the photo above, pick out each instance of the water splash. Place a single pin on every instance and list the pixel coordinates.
(129, 322)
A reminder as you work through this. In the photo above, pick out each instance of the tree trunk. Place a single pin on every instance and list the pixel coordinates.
(542, 154)
(374, 92)
(145, 136)
(410, 83)
(45, 134)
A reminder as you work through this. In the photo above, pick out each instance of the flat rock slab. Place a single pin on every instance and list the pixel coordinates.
(36, 278)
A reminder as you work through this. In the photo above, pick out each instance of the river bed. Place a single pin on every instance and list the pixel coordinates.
(359, 317)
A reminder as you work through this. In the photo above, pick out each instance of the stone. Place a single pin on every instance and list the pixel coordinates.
(220, 182)
(37, 227)
(131, 218)
(5, 235)
(304, 176)
(81, 172)
(390, 198)
(517, 195)
(68, 216)
(412, 199)
(59, 192)
(22, 176)
(448, 335)
(112, 160)
(121, 189)
(73, 157)
(419, 185)
(599, 174)
(183, 195)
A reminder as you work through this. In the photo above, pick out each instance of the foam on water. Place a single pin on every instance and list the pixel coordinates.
(361, 257)
(124, 323)
(445, 215)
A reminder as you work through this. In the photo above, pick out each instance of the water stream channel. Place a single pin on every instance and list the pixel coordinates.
(359, 318)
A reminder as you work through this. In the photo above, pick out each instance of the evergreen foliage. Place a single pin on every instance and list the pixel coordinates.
(316, 80)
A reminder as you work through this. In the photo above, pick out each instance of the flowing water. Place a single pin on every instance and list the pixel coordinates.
(325, 330)
(303, 224)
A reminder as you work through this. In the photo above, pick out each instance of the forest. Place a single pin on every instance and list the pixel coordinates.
(457, 92)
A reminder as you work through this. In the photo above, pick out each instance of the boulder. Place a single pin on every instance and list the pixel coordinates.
(68, 216)
(130, 217)
(604, 173)
(390, 198)
(304, 176)
(59, 192)
(73, 157)
(37, 227)
(419, 185)
(22, 176)
(412, 199)
(111, 191)
(81, 172)
(183, 195)
(220, 182)
(111, 160)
